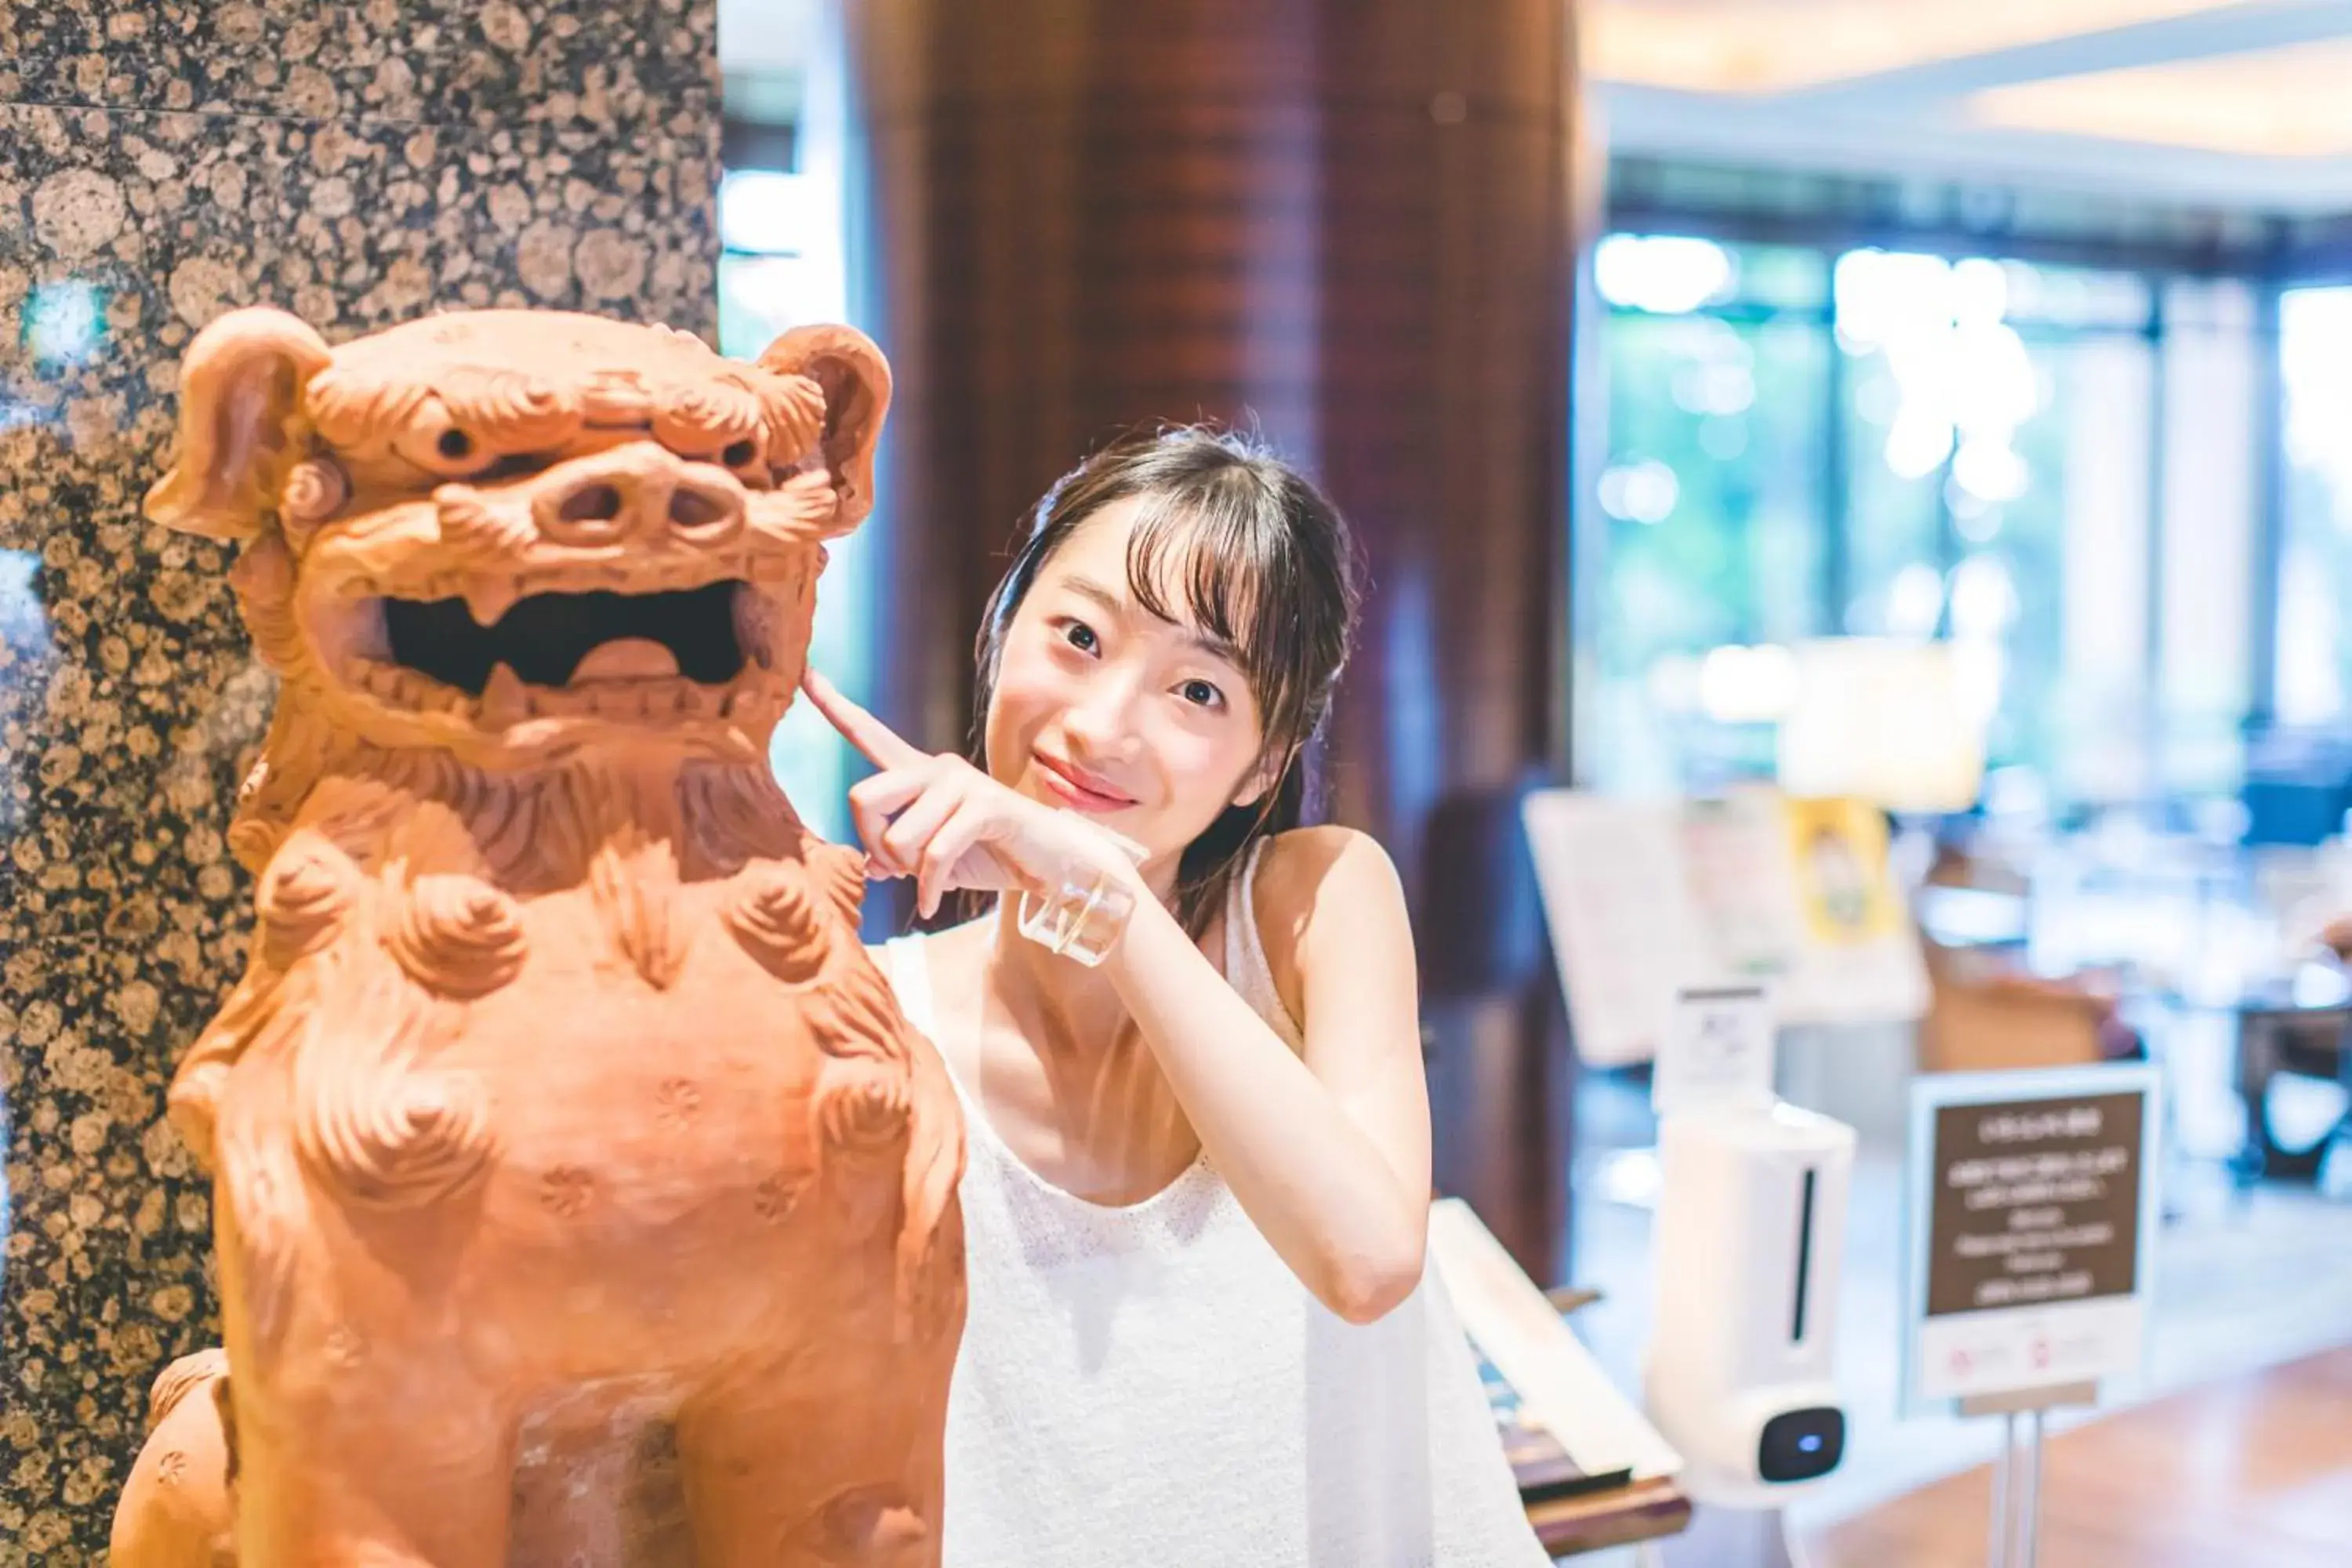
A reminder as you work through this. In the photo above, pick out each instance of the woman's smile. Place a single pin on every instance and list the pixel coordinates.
(1075, 787)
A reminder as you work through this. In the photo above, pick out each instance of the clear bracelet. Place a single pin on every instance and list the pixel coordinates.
(1082, 916)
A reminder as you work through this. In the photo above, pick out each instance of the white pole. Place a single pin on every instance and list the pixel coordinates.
(2028, 1513)
(1997, 1551)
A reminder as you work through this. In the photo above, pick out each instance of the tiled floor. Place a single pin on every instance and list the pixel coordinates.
(2242, 1280)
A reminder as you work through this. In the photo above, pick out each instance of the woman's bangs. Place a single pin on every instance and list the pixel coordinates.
(1218, 569)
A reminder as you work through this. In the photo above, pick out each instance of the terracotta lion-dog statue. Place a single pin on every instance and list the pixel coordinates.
(581, 1197)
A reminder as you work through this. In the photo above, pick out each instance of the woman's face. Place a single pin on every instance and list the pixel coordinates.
(1143, 724)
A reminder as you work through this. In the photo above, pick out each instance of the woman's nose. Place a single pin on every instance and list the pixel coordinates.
(1101, 720)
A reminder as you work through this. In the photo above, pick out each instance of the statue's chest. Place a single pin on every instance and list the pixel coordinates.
(648, 1026)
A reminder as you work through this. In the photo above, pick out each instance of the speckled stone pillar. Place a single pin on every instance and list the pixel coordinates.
(161, 160)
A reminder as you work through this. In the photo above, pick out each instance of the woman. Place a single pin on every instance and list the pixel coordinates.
(1188, 1050)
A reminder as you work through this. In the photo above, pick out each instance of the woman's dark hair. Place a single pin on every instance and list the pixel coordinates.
(1263, 563)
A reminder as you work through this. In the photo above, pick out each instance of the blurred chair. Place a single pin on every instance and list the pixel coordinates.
(2278, 1038)
(2298, 785)
(1986, 1015)
(1987, 1011)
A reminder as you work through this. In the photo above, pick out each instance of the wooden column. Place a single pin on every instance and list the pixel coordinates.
(1347, 222)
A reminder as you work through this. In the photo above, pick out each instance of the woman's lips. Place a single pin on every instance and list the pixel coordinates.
(1076, 789)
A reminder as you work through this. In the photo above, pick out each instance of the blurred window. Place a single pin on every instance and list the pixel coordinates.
(1875, 442)
(2313, 671)
(780, 267)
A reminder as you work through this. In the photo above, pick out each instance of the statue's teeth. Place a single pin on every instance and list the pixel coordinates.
(490, 599)
(370, 632)
(505, 699)
(625, 659)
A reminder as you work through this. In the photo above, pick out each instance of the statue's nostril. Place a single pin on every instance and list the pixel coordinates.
(693, 509)
(591, 503)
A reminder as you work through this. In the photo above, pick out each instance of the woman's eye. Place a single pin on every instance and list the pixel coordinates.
(1080, 635)
(1202, 694)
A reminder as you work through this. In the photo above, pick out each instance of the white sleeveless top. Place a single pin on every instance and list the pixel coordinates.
(1150, 1386)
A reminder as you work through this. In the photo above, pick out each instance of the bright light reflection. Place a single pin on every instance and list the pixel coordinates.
(2315, 364)
(1984, 599)
(1641, 493)
(24, 621)
(1963, 380)
(1740, 685)
(768, 213)
(1719, 387)
(1991, 471)
(1914, 600)
(1977, 668)
(2315, 358)
(1666, 275)
(63, 321)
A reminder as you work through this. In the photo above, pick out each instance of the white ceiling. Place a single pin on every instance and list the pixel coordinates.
(2246, 104)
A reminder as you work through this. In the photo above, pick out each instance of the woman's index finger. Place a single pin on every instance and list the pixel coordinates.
(880, 744)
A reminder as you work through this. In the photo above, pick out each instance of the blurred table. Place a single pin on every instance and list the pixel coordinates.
(2220, 943)
(2253, 1471)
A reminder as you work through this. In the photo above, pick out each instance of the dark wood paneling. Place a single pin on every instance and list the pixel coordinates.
(1345, 221)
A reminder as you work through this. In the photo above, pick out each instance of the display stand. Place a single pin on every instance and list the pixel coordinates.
(2030, 1198)
(2014, 1537)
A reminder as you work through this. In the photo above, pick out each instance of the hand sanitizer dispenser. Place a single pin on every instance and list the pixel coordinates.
(1749, 1236)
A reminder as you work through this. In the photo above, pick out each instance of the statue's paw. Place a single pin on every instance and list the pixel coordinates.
(864, 1107)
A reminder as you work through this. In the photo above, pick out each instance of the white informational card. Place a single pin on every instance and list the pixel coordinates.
(1559, 1384)
(1625, 931)
(1644, 897)
(1718, 1046)
(2031, 1225)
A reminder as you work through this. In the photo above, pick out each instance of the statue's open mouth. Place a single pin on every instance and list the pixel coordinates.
(546, 637)
(538, 646)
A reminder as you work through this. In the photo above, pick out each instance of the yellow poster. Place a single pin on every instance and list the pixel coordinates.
(1843, 882)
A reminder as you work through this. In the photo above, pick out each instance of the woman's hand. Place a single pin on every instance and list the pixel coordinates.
(937, 818)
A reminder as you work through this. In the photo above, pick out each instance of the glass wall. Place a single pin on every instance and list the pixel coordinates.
(1872, 443)
(1712, 494)
(780, 267)
(2314, 661)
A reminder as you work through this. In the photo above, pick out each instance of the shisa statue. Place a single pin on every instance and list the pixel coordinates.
(581, 1197)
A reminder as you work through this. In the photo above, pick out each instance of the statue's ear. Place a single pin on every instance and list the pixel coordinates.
(240, 385)
(855, 381)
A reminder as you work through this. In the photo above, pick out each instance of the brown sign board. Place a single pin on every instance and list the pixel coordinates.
(2034, 1202)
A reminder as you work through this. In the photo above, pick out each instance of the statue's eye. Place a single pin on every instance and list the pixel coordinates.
(739, 454)
(455, 445)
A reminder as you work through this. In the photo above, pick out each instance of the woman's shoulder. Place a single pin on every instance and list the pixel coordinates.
(1306, 865)
(1325, 889)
